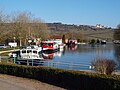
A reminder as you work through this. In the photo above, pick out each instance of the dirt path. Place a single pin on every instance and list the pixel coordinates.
(8, 82)
(9, 51)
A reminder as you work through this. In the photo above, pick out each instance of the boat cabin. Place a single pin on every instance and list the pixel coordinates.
(49, 45)
(29, 53)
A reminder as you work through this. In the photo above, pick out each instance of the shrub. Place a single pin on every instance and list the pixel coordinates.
(68, 79)
(92, 41)
(104, 65)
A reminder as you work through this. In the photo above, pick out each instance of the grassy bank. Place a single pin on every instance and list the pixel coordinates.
(64, 78)
(99, 34)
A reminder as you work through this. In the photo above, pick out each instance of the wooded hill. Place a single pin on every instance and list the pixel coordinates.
(66, 27)
(89, 32)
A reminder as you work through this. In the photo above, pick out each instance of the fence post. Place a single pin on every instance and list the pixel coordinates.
(14, 56)
(27, 62)
(0, 58)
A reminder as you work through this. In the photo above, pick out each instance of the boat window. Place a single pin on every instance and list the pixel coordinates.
(35, 52)
(47, 44)
(29, 51)
(23, 51)
(2, 44)
(50, 44)
(39, 52)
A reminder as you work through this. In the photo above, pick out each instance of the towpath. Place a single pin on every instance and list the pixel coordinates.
(8, 82)
(9, 51)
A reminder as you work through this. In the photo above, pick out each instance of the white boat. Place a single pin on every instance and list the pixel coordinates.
(116, 41)
(31, 53)
(103, 41)
(59, 42)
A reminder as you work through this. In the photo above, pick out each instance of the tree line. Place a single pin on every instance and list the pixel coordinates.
(20, 27)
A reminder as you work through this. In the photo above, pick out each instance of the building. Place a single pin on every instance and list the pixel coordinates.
(99, 26)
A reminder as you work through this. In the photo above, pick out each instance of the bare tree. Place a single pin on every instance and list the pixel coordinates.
(118, 26)
(40, 29)
(4, 19)
(104, 65)
(25, 27)
(22, 26)
(117, 33)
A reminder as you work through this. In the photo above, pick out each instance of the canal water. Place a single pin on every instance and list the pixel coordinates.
(79, 57)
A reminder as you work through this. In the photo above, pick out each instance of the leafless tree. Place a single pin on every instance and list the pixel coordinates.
(4, 18)
(25, 26)
(104, 65)
(117, 33)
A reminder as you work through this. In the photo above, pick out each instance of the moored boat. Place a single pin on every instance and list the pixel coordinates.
(31, 53)
(59, 42)
(116, 41)
(49, 46)
(71, 41)
(103, 41)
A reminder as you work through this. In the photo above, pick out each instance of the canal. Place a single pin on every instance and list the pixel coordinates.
(79, 57)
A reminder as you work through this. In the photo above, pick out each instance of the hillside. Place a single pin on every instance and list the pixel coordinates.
(90, 32)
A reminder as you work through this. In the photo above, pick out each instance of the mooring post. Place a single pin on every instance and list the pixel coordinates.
(14, 56)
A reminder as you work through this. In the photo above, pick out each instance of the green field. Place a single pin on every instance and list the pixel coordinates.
(99, 34)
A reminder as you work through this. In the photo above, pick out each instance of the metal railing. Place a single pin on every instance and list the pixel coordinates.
(55, 64)
(52, 63)
(68, 65)
(4, 58)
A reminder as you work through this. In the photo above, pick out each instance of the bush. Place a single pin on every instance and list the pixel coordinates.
(104, 65)
(68, 79)
(92, 41)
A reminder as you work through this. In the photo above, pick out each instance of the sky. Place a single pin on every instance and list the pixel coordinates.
(79, 12)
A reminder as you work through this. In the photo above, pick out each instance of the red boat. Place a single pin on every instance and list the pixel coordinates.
(72, 42)
(49, 46)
